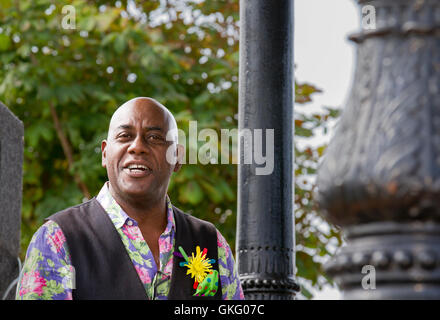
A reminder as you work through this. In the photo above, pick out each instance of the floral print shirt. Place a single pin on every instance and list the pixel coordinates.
(48, 274)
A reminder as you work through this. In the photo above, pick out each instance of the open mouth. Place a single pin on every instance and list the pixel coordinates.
(137, 170)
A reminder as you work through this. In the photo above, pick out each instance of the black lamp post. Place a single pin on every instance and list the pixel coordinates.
(266, 234)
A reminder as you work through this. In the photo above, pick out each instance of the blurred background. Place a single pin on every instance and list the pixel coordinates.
(64, 71)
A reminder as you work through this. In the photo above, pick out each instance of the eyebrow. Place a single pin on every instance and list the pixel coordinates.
(128, 126)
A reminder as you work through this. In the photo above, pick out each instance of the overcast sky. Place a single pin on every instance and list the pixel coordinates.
(324, 57)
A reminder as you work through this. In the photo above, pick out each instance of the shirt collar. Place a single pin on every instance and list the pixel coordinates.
(119, 217)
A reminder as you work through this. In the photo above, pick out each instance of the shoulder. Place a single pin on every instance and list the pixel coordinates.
(49, 232)
(194, 222)
(78, 209)
(76, 220)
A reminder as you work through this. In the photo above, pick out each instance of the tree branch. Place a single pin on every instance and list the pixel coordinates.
(67, 149)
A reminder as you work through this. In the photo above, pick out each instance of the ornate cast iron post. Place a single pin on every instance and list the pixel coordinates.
(265, 226)
(380, 177)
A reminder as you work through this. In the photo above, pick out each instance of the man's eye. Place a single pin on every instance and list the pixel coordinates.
(155, 138)
(124, 135)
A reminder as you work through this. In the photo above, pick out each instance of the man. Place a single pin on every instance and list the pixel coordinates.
(130, 242)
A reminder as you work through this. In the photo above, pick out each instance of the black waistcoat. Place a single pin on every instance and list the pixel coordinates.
(103, 268)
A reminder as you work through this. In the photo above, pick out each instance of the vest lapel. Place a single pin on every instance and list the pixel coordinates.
(191, 232)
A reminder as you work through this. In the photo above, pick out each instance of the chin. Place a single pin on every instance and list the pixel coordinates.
(138, 193)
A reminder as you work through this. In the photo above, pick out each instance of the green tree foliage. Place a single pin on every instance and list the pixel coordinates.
(64, 84)
(316, 240)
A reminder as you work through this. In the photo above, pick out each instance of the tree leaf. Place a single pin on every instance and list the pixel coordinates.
(191, 193)
(5, 42)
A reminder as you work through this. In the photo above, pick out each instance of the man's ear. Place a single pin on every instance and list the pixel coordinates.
(104, 153)
(180, 150)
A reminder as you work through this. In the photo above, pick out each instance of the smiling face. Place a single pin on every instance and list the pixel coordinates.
(134, 153)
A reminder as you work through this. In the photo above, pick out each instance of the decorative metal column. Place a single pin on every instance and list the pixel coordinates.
(265, 226)
(380, 177)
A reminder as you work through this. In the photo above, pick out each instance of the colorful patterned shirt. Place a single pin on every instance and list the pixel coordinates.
(48, 274)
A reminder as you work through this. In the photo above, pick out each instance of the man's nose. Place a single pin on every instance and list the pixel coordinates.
(138, 145)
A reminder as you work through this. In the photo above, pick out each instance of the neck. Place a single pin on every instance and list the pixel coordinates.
(149, 213)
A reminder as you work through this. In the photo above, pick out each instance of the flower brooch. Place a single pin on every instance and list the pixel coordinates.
(200, 268)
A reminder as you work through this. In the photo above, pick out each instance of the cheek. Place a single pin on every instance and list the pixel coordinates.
(165, 165)
(112, 161)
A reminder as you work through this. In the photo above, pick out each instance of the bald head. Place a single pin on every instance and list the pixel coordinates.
(145, 106)
(140, 152)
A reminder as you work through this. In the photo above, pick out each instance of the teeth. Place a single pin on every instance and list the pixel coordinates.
(137, 167)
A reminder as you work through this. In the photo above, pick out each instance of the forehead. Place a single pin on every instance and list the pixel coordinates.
(140, 114)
